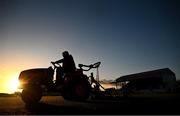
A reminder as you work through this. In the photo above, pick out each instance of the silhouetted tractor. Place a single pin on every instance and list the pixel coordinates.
(75, 86)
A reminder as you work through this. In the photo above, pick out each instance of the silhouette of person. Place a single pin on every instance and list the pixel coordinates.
(68, 66)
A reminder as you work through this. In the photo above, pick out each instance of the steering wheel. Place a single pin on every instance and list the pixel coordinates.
(56, 65)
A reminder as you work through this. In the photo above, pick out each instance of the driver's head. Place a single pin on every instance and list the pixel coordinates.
(65, 53)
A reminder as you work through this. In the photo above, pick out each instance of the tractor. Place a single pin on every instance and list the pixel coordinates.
(72, 86)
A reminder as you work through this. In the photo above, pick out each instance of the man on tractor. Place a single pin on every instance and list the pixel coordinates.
(68, 66)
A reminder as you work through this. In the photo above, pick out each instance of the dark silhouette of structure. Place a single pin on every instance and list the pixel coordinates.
(161, 80)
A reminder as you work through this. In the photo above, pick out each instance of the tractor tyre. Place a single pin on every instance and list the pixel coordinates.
(31, 95)
(82, 90)
(77, 91)
(67, 92)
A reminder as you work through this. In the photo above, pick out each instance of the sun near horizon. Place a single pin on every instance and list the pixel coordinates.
(10, 82)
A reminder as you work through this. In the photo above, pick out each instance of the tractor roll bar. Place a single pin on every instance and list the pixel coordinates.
(95, 65)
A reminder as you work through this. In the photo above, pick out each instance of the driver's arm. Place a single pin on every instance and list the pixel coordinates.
(59, 61)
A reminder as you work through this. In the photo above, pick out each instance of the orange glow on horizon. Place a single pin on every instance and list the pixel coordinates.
(108, 85)
(12, 85)
(9, 81)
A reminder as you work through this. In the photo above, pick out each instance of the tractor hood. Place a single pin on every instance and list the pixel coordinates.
(38, 75)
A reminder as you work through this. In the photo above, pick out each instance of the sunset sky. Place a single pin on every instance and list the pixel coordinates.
(127, 36)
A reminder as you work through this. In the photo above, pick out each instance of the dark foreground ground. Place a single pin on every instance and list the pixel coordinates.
(136, 105)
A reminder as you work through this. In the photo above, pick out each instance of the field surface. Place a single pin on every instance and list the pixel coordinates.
(145, 105)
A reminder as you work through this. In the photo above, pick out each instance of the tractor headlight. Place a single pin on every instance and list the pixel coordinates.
(21, 84)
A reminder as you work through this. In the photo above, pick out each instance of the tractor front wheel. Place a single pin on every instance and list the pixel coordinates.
(31, 95)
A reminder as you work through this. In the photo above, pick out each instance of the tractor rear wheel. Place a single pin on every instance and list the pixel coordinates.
(77, 91)
(82, 90)
(31, 95)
